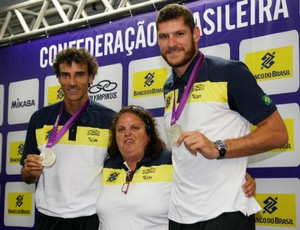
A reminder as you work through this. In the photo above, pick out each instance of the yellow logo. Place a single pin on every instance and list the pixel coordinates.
(19, 204)
(278, 210)
(209, 92)
(16, 150)
(112, 176)
(169, 100)
(55, 94)
(201, 92)
(149, 83)
(271, 64)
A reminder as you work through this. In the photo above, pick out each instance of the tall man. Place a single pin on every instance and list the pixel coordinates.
(65, 147)
(210, 103)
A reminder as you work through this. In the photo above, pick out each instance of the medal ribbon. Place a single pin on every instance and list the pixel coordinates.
(176, 113)
(55, 136)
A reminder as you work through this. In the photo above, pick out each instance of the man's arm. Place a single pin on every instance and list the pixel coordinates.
(270, 133)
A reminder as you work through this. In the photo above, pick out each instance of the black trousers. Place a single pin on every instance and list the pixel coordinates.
(226, 221)
(55, 223)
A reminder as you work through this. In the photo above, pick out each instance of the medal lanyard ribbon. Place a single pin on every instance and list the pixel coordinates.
(177, 112)
(55, 136)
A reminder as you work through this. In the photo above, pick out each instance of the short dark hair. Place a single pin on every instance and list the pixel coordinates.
(175, 11)
(80, 56)
(155, 146)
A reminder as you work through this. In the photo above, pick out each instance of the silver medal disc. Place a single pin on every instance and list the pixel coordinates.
(48, 157)
(174, 133)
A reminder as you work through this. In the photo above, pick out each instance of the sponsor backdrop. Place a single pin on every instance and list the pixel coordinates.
(262, 33)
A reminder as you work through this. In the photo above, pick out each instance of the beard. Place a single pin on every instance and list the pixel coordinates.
(181, 61)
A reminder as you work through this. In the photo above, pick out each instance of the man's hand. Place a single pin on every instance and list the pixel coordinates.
(250, 186)
(32, 168)
(196, 142)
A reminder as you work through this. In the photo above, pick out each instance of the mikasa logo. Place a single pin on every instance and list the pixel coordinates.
(23, 96)
(20, 104)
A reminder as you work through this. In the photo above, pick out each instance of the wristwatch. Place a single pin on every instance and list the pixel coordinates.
(221, 147)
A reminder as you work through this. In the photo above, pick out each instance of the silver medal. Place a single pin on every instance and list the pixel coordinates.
(48, 157)
(174, 133)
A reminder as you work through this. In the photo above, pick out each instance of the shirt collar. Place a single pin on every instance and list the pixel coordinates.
(121, 162)
(185, 77)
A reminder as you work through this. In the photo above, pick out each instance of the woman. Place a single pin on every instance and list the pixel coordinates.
(137, 178)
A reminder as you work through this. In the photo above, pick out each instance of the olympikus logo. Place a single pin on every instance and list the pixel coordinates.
(105, 85)
(93, 133)
(20, 104)
(149, 170)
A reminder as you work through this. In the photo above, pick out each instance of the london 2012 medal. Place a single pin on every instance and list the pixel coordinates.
(174, 133)
(48, 157)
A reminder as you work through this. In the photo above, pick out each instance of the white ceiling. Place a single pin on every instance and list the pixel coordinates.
(22, 20)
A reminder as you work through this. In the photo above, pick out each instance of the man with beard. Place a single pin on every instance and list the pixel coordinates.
(210, 103)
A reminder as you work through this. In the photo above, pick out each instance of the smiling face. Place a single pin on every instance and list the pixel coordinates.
(178, 44)
(74, 80)
(131, 137)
